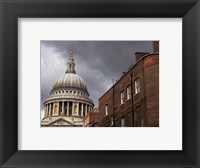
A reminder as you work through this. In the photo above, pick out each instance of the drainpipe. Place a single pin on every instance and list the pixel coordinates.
(113, 105)
(132, 99)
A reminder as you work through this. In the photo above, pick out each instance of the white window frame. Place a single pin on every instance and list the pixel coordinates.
(128, 92)
(111, 121)
(106, 109)
(137, 85)
(122, 97)
(123, 122)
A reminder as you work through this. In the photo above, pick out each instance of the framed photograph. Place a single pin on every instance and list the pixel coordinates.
(79, 98)
(99, 83)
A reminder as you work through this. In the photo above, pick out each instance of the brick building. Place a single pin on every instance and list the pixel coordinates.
(133, 101)
(91, 119)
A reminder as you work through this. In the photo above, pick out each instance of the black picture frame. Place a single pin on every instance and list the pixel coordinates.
(11, 10)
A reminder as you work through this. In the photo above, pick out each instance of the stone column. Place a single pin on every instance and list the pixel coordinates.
(82, 109)
(58, 112)
(46, 110)
(86, 110)
(77, 108)
(62, 108)
(67, 108)
(72, 108)
(50, 109)
(53, 108)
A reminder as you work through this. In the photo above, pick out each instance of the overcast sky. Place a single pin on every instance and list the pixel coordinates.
(97, 62)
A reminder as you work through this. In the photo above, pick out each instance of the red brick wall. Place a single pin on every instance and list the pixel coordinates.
(124, 110)
(91, 118)
(106, 99)
(145, 103)
(151, 71)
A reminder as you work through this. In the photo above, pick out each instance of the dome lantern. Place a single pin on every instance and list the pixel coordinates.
(71, 64)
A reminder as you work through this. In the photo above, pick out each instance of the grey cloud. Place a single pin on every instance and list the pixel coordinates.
(97, 62)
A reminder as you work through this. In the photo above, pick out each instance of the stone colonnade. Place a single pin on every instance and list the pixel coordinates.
(67, 108)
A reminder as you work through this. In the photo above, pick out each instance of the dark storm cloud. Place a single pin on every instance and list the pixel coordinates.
(97, 62)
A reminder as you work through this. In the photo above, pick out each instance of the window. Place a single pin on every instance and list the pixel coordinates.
(106, 109)
(122, 122)
(137, 86)
(142, 122)
(128, 91)
(111, 121)
(122, 97)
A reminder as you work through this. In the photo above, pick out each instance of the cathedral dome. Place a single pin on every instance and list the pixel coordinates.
(69, 100)
(70, 80)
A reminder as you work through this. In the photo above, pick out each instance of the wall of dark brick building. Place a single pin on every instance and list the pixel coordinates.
(144, 106)
(106, 100)
(151, 74)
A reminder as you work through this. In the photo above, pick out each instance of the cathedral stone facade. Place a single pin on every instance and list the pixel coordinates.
(69, 100)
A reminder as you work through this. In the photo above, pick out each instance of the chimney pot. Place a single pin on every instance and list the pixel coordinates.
(155, 46)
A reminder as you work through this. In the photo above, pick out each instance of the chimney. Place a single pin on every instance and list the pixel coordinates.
(139, 55)
(155, 46)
